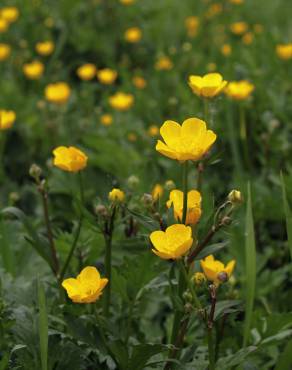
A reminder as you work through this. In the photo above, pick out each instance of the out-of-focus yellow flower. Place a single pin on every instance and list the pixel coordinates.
(284, 51)
(258, 28)
(199, 278)
(157, 192)
(139, 82)
(69, 159)
(7, 119)
(116, 195)
(153, 131)
(9, 13)
(45, 48)
(3, 25)
(107, 76)
(213, 10)
(127, 2)
(5, 51)
(58, 92)
(86, 72)
(216, 271)
(133, 34)
(87, 287)
(211, 67)
(33, 70)
(173, 243)
(236, 2)
(247, 38)
(192, 25)
(239, 90)
(235, 197)
(193, 205)
(226, 50)
(164, 64)
(207, 86)
(132, 137)
(106, 119)
(189, 141)
(121, 101)
(238, 28)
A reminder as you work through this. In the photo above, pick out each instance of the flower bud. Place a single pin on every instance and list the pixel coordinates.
(14, 197)
(35, 172)
(169, 185)
(147, 199)
(199, 278)
(101, 210)
(226, 221)
(133, 181)
(116, 195)
(222, 276)
(187, 296)
(235, 197)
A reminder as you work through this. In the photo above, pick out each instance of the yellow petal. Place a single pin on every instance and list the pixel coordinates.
(163, 255)
(193, 127)
(230, 267)
(72, 287)
(157, 238)
(165, 150)
(184, 248)
(89, 274)
(170, 132)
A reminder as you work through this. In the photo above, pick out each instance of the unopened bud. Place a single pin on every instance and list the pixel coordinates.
(133, 181)
(35, 172)
(226, 221)
(222, 276)
(235, 197)
(101, 210)
(14, 197)
(188, 308)
(199, 278)
(187, 296)
(147, 199)
(169, 185)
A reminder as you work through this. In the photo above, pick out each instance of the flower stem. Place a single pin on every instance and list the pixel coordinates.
(206, 110)
(211, 349)
(185, 191)
(243, 136)
(210, 324)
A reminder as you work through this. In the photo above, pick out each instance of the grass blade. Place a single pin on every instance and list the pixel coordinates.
(288, 214)
(43, 326)
(250, 258)
(7, 255)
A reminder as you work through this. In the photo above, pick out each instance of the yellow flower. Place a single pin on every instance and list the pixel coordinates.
(215, 270)
(163, 64)
(127, 2)
(199, 278)
(139, 82)
(132, 137)
(236, 2)
(133, 34)
(235, 197)
(87, 287)
(116, 195)
(193, 205)
(238, 28)
(153, 131)
(107, 76)
(86, 72)
(284, 51)
(247, 38)
(213, 10)
(172, 243)
(9, 13)
(106, 119)
(190, 141)
(157, 192)
(33, 70)
(3, 25)
(207, 86)
(239, 90)
(5, 51)
(226, 50)
(192, 24)
(7, 119)
(58, 93)
(69, 159)
(121, 101)
(45, 48)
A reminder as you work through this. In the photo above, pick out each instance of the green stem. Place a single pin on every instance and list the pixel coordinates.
(185, 191)
(233, 140)
(206, 110)
(211, 349)
(189, 284)
(243, 136)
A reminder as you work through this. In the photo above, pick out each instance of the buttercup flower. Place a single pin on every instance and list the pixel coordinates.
(173, 243)
(133, 34)
(58, 92)
(127, 2)
(153, 131)
(163, 64)
(247, 38)
(33, 70)
(284, 51)
(86, 72)
(226, 50)
(238, 28)
(190, 141)
(139, 82)
(5, 51)
(45, 48)
(121, 101)
(193, 205)
(69, 159)
(207, 86)
(236, 2)
(106, 119)
(107, 76)
(157, 192)
(192, 24)
(116, 195)
(87, 287)
(216, 271)
(9, 13)
(7, 119)
(3, 25)
(235, 197)
(239, 90)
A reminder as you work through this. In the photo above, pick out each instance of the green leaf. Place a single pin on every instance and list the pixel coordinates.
(43, 326)
(288, 214)
(211, 249)
(285, 359)
(142, 353)
(120, 353)
(7, 255)
(250, 258)
(223, 307)
(236, 359)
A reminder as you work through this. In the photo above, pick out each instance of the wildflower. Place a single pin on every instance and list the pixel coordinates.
(192, 24)
(3, 25)
(5, 51)
(116, 195)
(238, 28)
(193, 205)
(132, 137)
(173, 243)
(153, 131)
(247, 38)
(45, 48)
(139, 82)
(33, 70)
(208, 86)
(157, 192)
(284, 51)
(121, 101)
(213, 10)
(169, 185)
(199, 278)
(69, 159)
(107, 76)
(87, 287)
(164, 64)
(189, 141)
(127, 2)
(239, 90)
(9, 13)
(216, 271)
(58, 93)
(133, 35)
(226, 50)
(7, 119)
(106, 119)
(236, 2)
(235, 197)
(86, 72)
